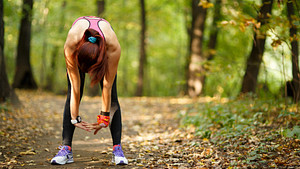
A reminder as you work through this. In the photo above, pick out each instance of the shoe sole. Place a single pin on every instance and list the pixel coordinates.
(121, 163)
(56, 163)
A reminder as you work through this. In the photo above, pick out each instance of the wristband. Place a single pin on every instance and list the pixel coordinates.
(104, 113)
(103, 119)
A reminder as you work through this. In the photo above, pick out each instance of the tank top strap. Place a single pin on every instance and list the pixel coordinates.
(93, 23)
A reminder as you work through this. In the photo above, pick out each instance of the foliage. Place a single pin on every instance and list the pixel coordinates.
(240, 116)
(237, 28)
(250, 131)
(164, 47)
(167, 43)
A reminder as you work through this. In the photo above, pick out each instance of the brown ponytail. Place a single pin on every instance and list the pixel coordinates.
(91, 57)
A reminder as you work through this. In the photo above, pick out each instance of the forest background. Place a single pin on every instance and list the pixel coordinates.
(167, 44)
(237, 59)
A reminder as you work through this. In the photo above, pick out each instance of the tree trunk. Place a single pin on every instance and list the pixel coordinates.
(100, 7)
(254, 61)
(214, 30)
(52, 72)
(23, 75)
(6, 92)
(45, 44)
(195, 70)
(143, 58)
(4, 85)
(213, 33)
(187, 59)
(295, 53)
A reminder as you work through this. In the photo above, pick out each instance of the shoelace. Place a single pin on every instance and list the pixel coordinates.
(62, 151)
(118, 152)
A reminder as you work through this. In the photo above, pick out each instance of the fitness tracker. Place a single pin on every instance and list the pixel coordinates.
(78, 120)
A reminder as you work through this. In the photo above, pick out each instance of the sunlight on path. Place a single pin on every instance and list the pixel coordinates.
(151, 134)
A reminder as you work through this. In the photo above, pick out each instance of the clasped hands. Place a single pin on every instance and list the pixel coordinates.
(102, 122)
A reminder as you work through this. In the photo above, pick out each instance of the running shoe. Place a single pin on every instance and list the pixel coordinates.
(118, 156)
(64, 156)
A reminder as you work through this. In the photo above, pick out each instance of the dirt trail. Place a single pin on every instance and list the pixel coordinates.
(150, 133)
(152, 137)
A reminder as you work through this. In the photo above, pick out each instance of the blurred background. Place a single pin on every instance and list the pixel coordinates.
(169, 48)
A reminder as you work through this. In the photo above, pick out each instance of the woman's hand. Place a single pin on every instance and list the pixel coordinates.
(102, 122)
(96, 127)
(84, 126)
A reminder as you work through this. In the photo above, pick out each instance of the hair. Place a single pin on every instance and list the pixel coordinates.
(91, 57)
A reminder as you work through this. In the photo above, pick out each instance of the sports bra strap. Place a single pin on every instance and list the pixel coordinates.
(93, 23)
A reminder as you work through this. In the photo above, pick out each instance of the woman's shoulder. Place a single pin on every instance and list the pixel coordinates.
(76, 32)
(104, 24)
(107, 30)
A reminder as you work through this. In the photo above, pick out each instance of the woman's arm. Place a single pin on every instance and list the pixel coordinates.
(74, 77)
(113, 53)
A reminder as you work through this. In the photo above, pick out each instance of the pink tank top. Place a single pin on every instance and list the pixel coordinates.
(93, 21)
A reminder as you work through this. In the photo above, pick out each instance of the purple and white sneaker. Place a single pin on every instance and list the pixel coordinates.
(118, 156)
(64, 156)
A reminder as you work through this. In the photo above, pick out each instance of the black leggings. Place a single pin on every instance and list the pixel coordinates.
(116, 122)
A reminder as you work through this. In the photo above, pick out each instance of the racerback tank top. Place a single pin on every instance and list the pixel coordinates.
(93, 21)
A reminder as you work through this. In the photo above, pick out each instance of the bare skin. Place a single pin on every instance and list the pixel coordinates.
(113, 52)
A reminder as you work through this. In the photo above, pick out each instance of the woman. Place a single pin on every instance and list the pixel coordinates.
(91, 47)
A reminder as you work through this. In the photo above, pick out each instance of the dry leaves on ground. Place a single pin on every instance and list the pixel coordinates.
(152, 138)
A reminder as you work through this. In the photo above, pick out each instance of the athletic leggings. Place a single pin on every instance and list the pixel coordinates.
(116, 122)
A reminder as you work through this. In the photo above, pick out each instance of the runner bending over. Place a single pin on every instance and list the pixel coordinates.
(91, 47)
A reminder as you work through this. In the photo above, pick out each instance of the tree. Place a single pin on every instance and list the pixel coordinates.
(4, 85)
(254, 60)
(45, 43)
(214, 30)
(23, 75)
(295, 52)
(6, 92)
(143, 57)
(100, 7)
(195, 69)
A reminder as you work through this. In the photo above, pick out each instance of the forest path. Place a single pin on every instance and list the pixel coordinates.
(151, 135)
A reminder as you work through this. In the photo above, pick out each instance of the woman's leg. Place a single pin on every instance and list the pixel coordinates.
(116, 126)
(116, 122)
(68, 127)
